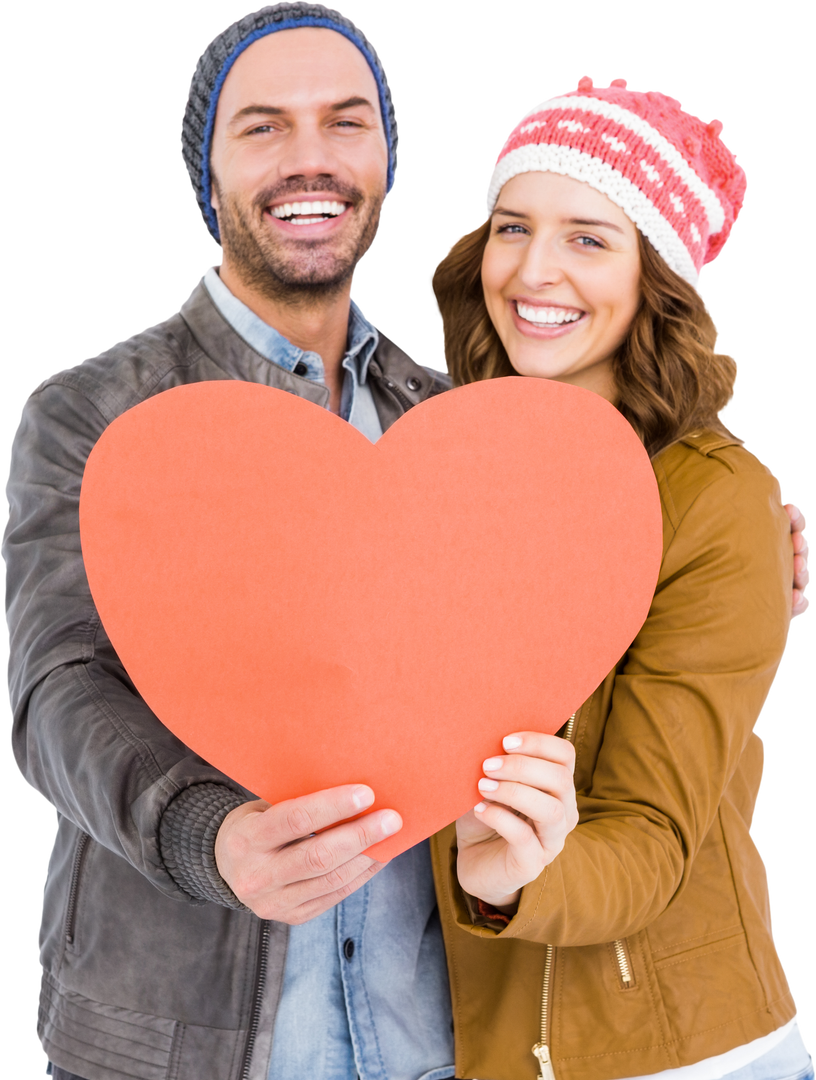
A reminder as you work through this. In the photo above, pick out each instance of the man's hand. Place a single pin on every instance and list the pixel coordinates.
(800, 554)
(506, 842)
(276, 865)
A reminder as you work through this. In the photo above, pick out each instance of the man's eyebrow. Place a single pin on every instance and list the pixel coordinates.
(250, 110)
(597, 222)
(350, 103)
(273, 110)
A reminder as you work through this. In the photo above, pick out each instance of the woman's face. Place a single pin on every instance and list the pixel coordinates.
(561, 273)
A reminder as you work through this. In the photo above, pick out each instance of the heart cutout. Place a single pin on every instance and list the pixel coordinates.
(304, 608)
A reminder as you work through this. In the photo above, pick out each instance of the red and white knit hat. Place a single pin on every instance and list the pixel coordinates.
(669, 172)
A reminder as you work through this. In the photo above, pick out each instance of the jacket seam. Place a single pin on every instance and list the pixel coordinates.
(709, 950)
(680, 1041)
(727, 851)
(104, 707)
(699, 937)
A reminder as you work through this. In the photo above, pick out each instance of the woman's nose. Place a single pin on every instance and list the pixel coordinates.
(541, 266)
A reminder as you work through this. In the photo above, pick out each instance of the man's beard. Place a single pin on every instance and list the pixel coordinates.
(295, 272)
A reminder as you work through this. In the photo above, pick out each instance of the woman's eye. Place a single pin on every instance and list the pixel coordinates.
(511, 229)
(589, 241)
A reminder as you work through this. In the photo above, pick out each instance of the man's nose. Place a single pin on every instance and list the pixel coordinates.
(308, 152)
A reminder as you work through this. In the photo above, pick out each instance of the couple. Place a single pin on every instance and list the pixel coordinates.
(601, 912)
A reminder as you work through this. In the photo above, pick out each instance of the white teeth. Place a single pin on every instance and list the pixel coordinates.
(541, 316)
(325, 208)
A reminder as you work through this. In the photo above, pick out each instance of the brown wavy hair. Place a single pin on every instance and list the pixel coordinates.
(670, 381)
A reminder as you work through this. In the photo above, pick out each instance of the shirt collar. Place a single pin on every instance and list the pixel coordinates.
(265, 339)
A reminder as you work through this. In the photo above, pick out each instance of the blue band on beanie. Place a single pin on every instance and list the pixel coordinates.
(271, 28)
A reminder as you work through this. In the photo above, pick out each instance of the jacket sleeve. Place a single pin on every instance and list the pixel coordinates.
(683, 705)
(82, 735)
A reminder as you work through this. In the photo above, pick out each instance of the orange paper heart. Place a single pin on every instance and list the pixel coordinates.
(305, 609)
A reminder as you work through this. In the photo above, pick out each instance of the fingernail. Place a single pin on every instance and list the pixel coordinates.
(488, 785)
(493, 764)
(362, 797)
(480, 807)
(511, 742)
(390, 823)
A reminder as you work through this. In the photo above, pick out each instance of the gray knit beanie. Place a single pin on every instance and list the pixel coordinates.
(215, 64)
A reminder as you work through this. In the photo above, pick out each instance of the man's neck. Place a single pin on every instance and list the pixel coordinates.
(321, 327)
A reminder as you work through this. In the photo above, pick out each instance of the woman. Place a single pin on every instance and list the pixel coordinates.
(637, 940)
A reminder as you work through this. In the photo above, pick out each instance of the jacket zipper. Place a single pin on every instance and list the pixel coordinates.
(624, 967)
(257, 1001)
(73, 892)
(542, 1048)
(398, 394)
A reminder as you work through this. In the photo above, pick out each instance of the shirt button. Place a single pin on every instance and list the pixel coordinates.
(300, 368)
(413, 383)
(348, 948)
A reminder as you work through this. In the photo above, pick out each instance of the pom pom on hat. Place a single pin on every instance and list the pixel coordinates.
(668, 171)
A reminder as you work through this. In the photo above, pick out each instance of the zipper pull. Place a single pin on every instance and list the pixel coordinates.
(542, 1052)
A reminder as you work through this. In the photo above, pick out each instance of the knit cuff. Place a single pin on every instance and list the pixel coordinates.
(482, 914)
(187, 840)
(493, 914)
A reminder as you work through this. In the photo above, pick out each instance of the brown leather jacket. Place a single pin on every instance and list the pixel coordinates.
(646, 944)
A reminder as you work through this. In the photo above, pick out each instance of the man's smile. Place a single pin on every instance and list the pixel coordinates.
(308, 212)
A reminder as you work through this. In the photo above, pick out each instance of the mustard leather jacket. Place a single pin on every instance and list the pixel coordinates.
(646, 944)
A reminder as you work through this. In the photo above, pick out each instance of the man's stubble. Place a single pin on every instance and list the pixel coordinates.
(299, 273)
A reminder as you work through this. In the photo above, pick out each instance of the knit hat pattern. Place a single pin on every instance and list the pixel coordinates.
(215, 65)
(667, 170)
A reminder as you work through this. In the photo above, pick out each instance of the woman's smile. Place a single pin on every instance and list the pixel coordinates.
(561, 279)
(545, 320)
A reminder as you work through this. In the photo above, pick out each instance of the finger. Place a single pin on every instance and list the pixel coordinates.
(295, 819)
(800, 603)
(519, 834)
(319, 855)
(542, 809)
(546, 776)
(311, 907)
(801, 574)
(800, 544)
(536, 744)
(796, 517)
(313, 889)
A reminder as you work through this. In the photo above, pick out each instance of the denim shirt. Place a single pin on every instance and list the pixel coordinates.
(365, 987)
(356, 402)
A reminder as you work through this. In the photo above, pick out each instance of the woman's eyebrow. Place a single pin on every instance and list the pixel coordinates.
(566, 220)
(593, 221)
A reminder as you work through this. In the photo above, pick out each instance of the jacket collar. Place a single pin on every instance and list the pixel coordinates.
(269, 342)
(396, 381)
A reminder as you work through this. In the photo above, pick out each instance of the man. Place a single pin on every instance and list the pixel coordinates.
(190, 931)
(171, 889)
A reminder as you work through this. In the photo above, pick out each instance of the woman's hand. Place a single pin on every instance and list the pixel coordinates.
(529, 808)
(800, 554)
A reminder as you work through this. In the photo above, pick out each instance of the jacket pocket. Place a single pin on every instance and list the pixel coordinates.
(622, 963)
(77, 867)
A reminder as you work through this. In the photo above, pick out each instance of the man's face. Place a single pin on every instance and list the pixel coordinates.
(299, 163)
